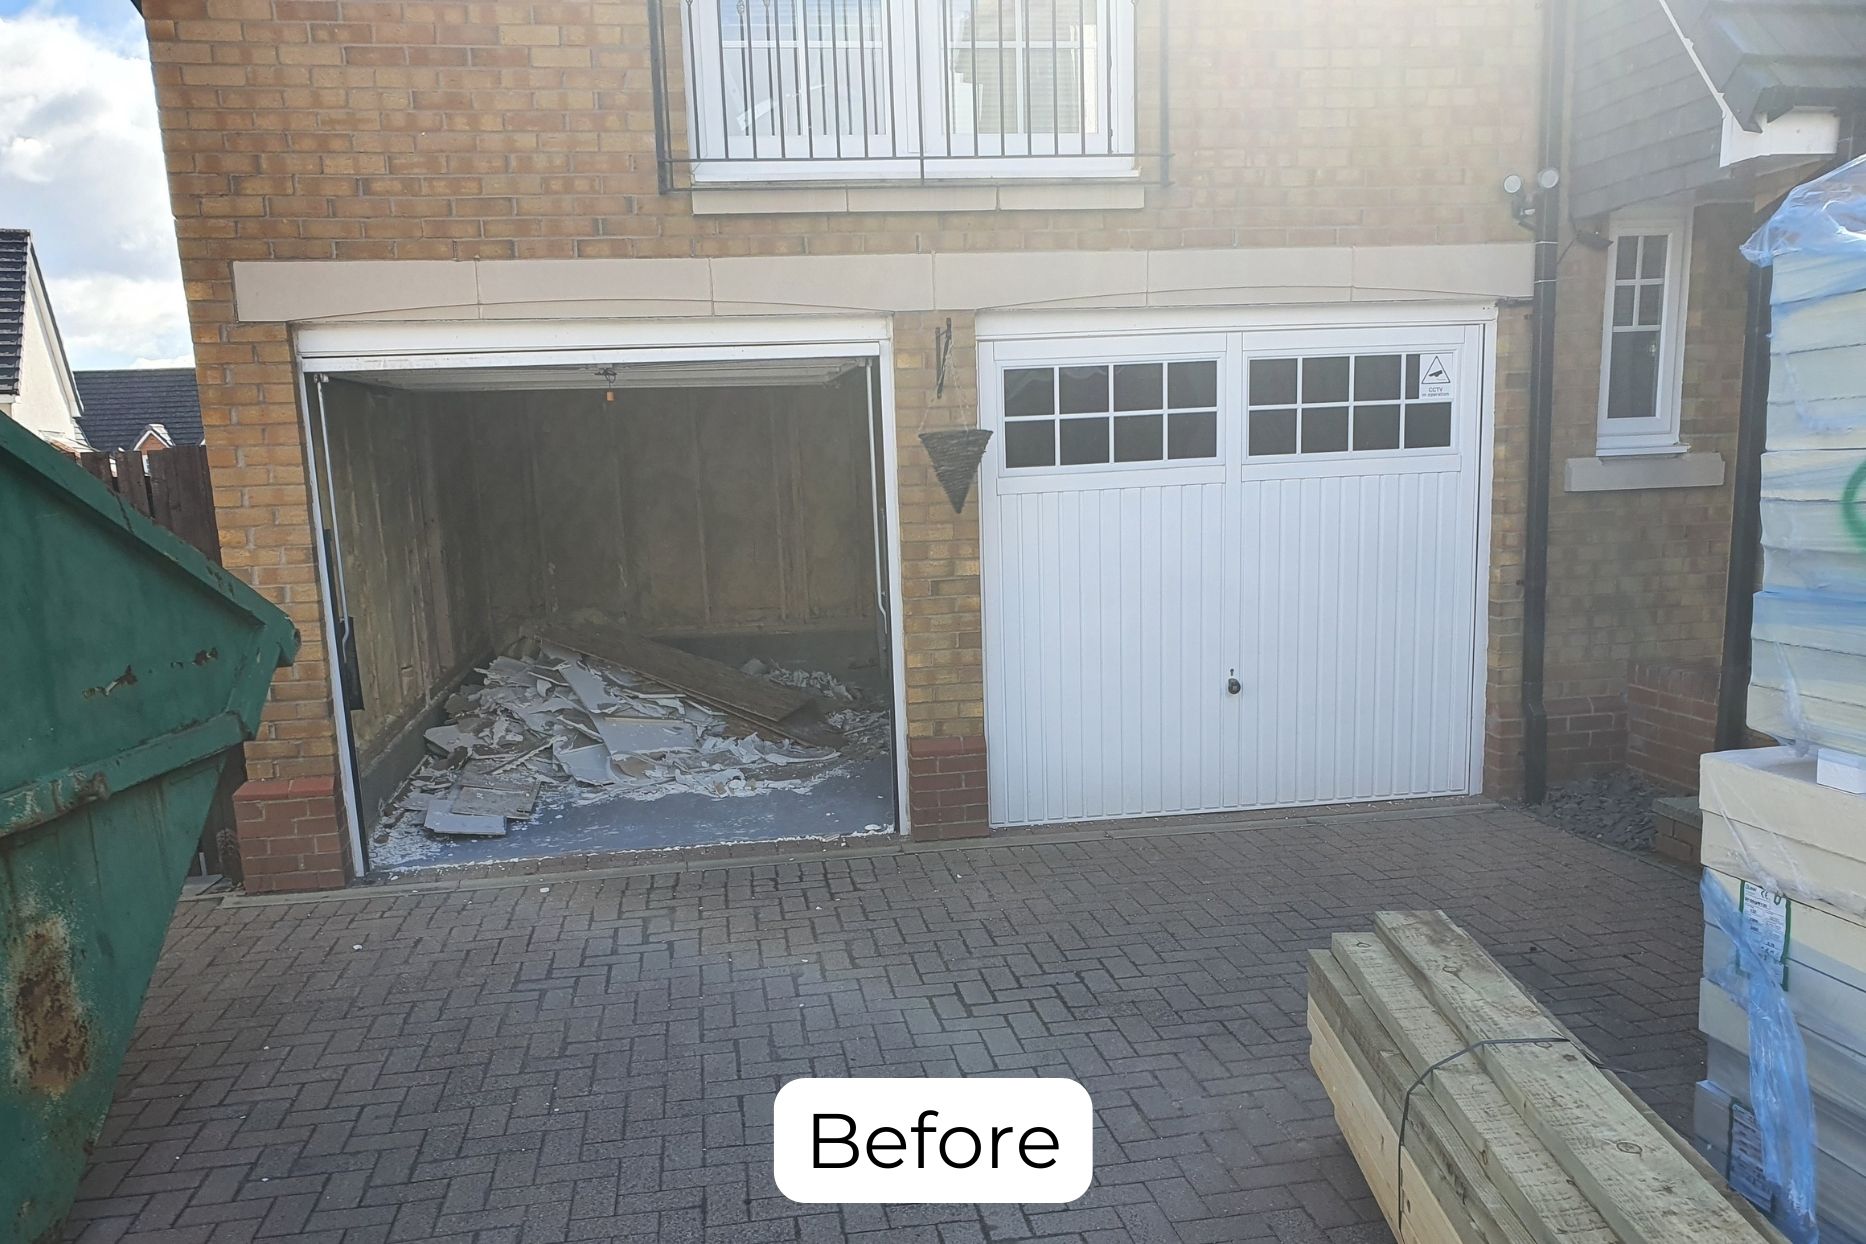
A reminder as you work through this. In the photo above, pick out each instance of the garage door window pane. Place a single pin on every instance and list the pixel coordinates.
(1139, 386)
(1272, 432)
(1139, 438)
(1192, 435)
(1273, 382)
(1144, 411)
(1324, 380)
(1376, 377)
(1348, 404)
(1428, 425)
(1084, 390)
(1030, 391)
(1376, 427)
(1030, 443)
(1324, 429)
(1084, 441)
(1191, 386)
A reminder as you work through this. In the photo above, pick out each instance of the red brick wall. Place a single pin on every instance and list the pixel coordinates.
(1671, 720)
(946, 787)
(291, 835)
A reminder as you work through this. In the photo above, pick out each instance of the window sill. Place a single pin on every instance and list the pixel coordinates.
(1649, 469)
(1054, 196)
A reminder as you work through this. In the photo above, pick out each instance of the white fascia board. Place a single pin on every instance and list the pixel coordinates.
(1802, 133)
(394, 345)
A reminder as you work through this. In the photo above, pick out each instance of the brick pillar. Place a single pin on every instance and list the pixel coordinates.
(939, 592)
(291, 835)
(946, 787)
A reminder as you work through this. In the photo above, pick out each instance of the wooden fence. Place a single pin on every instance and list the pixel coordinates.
(172, 488)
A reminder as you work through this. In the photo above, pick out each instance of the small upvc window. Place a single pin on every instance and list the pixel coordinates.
(1642, 352)
(1122, 414)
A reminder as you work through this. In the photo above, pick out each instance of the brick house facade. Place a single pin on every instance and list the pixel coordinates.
(398, 162)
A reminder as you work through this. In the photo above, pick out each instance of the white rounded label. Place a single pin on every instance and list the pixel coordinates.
(980, 1141)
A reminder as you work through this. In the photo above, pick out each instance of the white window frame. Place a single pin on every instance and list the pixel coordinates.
(947, 156)
(1660, 433)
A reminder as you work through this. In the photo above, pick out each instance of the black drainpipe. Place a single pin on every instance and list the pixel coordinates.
(1739, 606)
(1542, 405)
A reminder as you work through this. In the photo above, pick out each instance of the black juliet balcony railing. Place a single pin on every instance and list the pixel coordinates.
(761, 91)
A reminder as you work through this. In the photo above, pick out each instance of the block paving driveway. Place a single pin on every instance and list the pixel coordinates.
(597, 1062)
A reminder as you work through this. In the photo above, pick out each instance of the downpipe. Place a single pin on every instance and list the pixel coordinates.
(1542, 403)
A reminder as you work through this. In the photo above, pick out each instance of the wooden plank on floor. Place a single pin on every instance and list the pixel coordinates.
(1634, 1176)
(1526, 1175)
(781, 708)
(1451, 1169)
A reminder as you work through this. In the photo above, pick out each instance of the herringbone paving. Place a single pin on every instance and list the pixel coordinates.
(595, 1058)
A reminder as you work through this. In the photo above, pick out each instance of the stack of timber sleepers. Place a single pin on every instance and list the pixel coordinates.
(1520, 1143)
(1808, 679)
(1790, 854)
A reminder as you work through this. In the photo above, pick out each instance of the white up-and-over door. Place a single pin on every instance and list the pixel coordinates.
(1228, 570)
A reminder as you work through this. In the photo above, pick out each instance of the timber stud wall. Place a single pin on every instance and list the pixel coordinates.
(460, 130)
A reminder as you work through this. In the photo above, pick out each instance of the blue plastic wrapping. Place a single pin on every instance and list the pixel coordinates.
(1827, 216)
(1778, 1076)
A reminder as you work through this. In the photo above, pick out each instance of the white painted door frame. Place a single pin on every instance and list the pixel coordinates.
(423, 345)
(1269, 328)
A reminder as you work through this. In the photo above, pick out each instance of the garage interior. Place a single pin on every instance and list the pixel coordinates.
(527, 559)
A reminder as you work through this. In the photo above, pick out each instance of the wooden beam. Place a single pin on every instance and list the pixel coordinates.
(1632, 1174)
(1451, 1170)
(1375, 1145)
(1526, 1175)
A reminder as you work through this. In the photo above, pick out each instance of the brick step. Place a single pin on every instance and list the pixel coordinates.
(1680, 824)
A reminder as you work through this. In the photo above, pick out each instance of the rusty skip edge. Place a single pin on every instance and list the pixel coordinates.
(50, 797)
(53, 795)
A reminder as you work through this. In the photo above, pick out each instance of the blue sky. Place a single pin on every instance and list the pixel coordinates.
(81, 166)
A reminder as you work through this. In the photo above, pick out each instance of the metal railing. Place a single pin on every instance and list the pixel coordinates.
(797, 90)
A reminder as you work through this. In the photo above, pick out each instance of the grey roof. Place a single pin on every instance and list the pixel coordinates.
(120, 405)
(15, 277)
(1768, 56)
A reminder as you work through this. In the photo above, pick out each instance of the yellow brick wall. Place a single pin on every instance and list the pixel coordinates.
(939, 590)
(1638, 576)
(456, 129)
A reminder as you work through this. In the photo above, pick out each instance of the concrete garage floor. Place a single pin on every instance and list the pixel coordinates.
(856, 800)
(594, 1058)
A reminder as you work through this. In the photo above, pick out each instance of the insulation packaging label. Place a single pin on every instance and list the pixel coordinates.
(1767, 915)
(1746, 1167)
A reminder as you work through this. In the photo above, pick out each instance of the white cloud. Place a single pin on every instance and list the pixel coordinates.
(81, 166)
(125, 319)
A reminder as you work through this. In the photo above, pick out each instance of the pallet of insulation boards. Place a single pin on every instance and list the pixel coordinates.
(1510, 1132)
(1790, 855)
(1808, 680)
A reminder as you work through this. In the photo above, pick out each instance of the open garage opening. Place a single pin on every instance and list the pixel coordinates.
(590, 609)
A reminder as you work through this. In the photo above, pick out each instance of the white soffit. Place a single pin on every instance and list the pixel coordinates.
(712, 374)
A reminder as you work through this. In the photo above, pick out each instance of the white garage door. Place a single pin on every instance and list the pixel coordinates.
(1228, 570)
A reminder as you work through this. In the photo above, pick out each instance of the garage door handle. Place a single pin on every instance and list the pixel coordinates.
(1233, 685)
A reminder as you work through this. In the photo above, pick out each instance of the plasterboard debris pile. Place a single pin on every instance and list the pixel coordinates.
(548, 727)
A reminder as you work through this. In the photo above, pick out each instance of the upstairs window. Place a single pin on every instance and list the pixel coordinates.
(1642, 352)
(835, 89)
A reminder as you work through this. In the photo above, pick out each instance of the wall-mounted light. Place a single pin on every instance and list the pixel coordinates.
(1523, 202)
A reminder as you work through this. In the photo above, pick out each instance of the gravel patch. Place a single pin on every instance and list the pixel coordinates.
(1614, 808)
